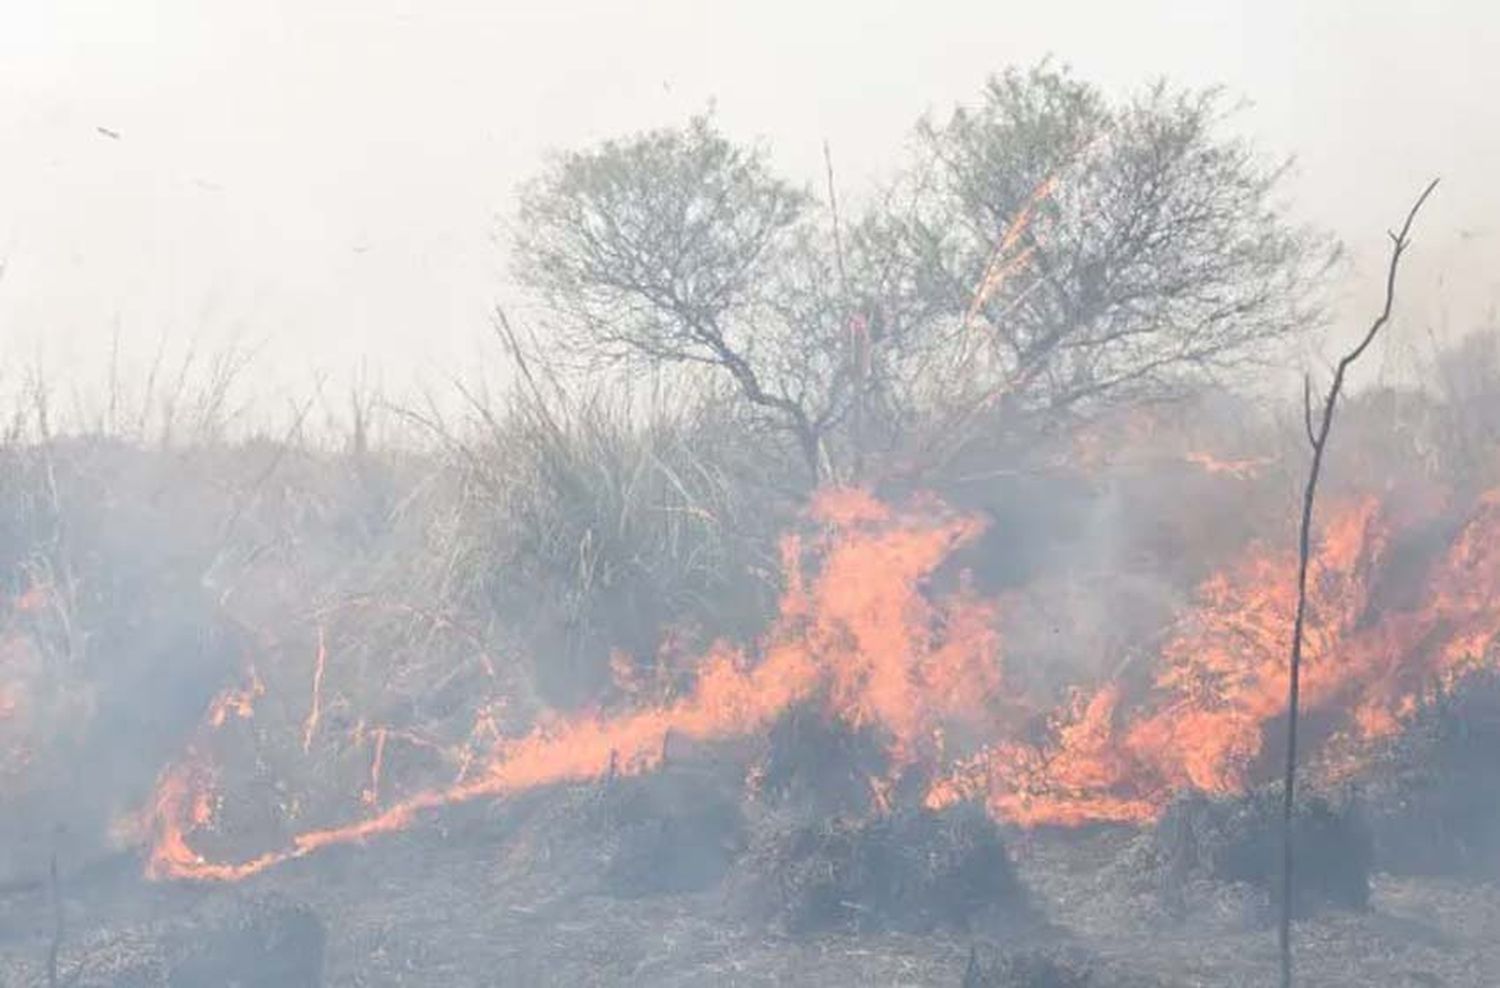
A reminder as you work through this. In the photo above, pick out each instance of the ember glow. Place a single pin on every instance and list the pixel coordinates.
(1243, 469)
(236, 702)
(863, 633)
(315, 706)
(1220, 681)
(18, 664)
(13, 751)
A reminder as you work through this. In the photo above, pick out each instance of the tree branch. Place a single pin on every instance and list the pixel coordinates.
(1400, 241)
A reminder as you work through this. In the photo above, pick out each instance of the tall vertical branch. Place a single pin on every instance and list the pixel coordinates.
(1317, 437)
(858, 333)
(54, 946)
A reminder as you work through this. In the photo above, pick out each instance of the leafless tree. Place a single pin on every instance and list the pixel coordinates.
(1317, 438)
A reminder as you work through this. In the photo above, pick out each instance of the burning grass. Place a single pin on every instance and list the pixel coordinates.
(330, 672)
(884, 682)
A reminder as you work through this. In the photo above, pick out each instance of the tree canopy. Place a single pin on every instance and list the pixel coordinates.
(1045, 252)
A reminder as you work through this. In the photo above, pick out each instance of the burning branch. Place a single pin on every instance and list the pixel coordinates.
(315, 707)
(1317, 437)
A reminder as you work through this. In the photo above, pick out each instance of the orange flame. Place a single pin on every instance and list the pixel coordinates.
(861, 632)
(34, 599)
(875, 647)
(315, 707)
(1244, 469)
(371, 795)
(1004, 260)
(236, 702)
(1222, 679)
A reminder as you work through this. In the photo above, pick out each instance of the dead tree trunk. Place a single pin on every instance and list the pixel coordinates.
(1317, 437)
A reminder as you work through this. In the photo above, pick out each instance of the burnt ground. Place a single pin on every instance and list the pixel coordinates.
(518, 895)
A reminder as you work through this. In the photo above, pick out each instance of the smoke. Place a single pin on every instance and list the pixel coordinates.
(221, 660)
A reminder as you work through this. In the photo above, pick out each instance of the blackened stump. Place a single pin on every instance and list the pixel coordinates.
(1434, 791)
(1235, 840)
(912, 871)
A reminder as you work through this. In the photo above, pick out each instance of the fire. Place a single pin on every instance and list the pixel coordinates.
(236, 702)
(894, 658)
(858, 632)
(315, 707)
(14, 753)
(371, 795)
(1244, 469)
(21, 671)
(34, 599)
(863, 633)
(1005, 261)
(1220, 682)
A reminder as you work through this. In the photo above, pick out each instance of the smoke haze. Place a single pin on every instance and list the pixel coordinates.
(325, 180)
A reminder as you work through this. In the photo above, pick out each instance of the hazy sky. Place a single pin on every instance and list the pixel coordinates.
(328, 177)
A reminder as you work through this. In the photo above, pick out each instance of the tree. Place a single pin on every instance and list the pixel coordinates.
(1153, 255)
(678, 247)
(1317, 440)
(1045, 254)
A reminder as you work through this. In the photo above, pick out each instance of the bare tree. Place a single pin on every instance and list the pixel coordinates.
(1317, 438)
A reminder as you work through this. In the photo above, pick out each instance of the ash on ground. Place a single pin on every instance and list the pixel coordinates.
(1221, 856)
(1434, 792)
(910, 871)
(243, 941)
(1048, 967)
(675, 831)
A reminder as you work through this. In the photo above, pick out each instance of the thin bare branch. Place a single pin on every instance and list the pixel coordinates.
(1307, 413)
(1400, 242)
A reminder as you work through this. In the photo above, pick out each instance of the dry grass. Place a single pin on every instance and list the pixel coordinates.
(144, 567)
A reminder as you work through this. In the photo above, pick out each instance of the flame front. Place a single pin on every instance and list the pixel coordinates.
(1221, 679)
(860, 634)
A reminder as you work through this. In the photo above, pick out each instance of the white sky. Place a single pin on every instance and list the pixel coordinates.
(327, 178)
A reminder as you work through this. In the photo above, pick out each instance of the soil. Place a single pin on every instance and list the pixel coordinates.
(513, 895)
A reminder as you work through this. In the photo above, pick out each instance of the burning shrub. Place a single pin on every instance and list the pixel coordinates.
(1434, 793)
(913, 871)
(673, 831)
(1203, 844)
